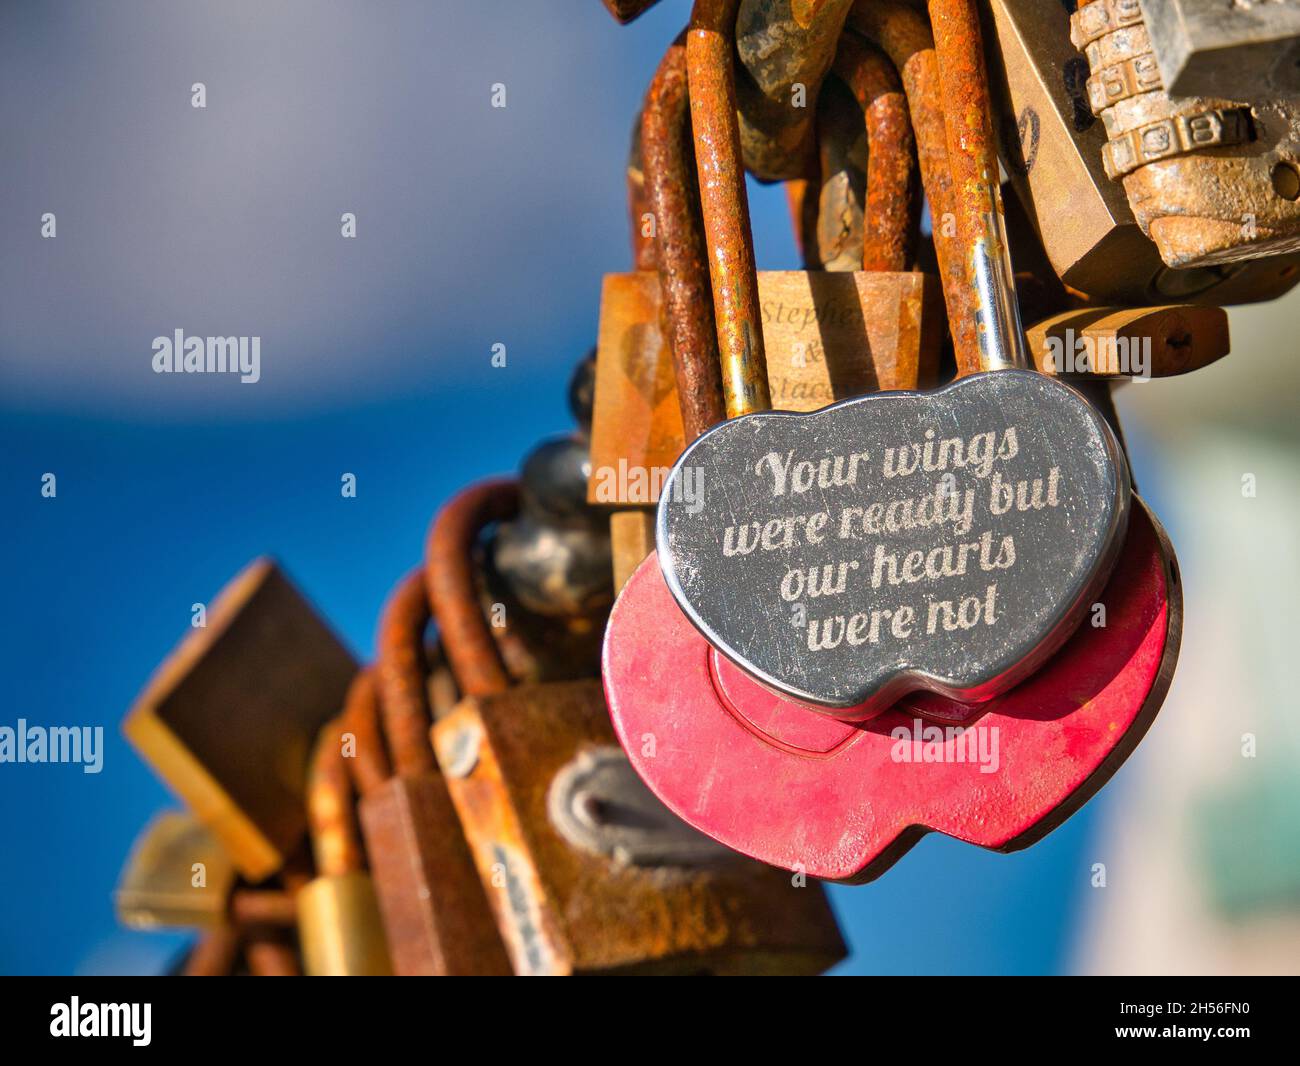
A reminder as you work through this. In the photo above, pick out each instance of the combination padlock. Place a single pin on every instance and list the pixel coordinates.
(1213, 179)
(585, 870)
(1052, 145)
(854, 795)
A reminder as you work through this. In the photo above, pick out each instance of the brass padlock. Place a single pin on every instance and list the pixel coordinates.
(338, 915)
(177, 874)
(229, 718)
(587, 873)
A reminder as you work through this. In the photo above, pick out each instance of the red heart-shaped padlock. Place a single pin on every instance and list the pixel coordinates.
(845, 800)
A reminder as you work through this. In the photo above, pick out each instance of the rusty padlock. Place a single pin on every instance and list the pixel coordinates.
(829, 335)
(230, 716)
(855, 796)
(586, 872)
(338, 916)
(1052, 146)
(435, 914)
(1211, 179)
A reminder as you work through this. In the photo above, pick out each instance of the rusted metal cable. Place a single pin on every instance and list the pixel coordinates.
(369, 766)
(335, 841)
(467, 641)
(685, 300)
(725, 207)
(996, 339)
(400, 677)
(905, 37)
(889, 220)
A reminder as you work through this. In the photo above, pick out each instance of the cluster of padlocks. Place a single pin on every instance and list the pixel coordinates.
(835, 558)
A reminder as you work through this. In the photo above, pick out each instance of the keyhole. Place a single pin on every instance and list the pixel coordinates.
(1286, 181)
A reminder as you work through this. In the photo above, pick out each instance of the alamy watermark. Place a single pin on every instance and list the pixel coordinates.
(25, 743)
(923, 742)
(626, 483)
(1079, 353)
(179, 354)
(75, 1018)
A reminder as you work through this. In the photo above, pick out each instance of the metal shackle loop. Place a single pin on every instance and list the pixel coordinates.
(710, 60)
(685, 298)
(452, 592)
(889, 218)
(335, 841)
(903, 33)
(370, 768)
(977, 199)
(401, 677)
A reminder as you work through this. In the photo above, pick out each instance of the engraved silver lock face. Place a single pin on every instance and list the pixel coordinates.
(598, 803)
(947, 541)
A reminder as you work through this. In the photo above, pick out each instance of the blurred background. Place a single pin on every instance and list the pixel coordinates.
(478, 226)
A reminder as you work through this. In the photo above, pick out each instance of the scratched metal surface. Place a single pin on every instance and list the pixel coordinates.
(755, 606)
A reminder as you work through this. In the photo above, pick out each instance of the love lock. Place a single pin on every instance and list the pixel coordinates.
(1034, 514)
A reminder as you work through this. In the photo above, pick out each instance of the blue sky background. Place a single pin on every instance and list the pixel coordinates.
(475, 226)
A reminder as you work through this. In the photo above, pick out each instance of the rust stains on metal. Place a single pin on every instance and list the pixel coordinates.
(400, 673)
(686, 308)
(466, 639)
(711, 69)
(785, 48)
(906, 38)
(370, 767)
(335, 842)
(972, 157)
(638, 204)
(889, 222)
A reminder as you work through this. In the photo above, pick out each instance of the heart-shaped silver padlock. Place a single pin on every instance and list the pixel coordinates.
(948, 541)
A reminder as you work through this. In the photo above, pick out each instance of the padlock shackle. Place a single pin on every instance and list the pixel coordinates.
(466, 638)
(710, 61)
(335, 841)
(903, 33)
(644, 251)
(685, 299)
(977, 199)
(369, 767)
(888, 217)
(400, 673)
